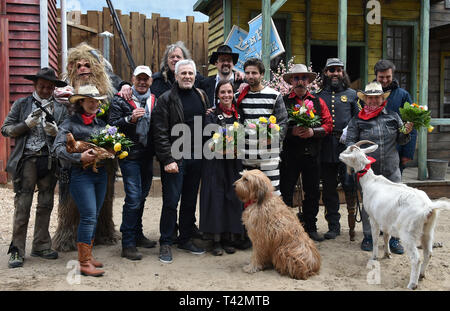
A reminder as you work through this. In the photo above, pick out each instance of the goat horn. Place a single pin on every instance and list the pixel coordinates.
(359, 143)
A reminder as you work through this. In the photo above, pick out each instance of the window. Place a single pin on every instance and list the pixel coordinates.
(445, 89)
(398, 49)
(400, 41)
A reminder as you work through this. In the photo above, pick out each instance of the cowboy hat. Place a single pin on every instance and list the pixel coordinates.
(299, 69)
(373, 89)
(86, 91)
(223, 50)
(46, 74)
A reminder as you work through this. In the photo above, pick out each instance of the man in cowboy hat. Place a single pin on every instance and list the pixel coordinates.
(33, 123)
(301, 149)
(224, 59)
(342, 104)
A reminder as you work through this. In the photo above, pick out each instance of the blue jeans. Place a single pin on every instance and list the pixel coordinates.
(184, 185)
(137, 180)
(88, 190)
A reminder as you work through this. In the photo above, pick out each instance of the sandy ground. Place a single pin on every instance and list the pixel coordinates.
(344, 265)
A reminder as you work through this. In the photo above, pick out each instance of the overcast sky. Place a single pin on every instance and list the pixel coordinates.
(177, 9)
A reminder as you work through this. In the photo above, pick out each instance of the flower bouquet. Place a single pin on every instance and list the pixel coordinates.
(419, 115)
(225, 141)
(103, 108)
(304, 115)
(264, 130)
(110, 139)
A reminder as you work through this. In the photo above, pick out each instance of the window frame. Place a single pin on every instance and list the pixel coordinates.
(444, 54)
(414, 54)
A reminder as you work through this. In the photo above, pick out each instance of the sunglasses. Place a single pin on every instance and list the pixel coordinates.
(298, 78)
(333, 69)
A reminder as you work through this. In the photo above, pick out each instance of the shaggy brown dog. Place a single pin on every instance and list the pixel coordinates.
(277, 236)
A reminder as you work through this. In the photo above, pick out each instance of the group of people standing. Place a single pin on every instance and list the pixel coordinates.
(147, 110)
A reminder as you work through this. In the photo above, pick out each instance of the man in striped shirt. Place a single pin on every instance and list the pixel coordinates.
(257, 100)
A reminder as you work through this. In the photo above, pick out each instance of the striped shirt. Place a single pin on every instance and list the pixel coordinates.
(264, 103)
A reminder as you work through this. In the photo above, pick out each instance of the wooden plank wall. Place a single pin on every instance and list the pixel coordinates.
(147, 38)
(24, 45)
(439, 15)
(4, 90)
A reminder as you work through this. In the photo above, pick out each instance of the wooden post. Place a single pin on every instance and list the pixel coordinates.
(266, 25)
(308, 31)
(423, 97)
(226, 18)
(4, 90)
(342, 31)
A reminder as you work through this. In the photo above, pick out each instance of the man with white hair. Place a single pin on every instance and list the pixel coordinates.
(180, 174)
(133, 118)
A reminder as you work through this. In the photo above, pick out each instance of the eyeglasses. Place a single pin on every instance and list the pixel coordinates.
(333, 69)
(298, 78)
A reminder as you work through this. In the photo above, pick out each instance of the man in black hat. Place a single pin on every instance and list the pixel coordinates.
(342, 104)
(33, 123)
(224, 59)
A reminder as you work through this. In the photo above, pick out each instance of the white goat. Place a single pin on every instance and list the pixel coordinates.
(397, 210)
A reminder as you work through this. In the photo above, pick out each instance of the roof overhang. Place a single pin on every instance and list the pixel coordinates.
(202, 6)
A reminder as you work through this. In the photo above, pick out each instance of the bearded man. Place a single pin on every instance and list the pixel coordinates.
(342, 103)
(85, 66)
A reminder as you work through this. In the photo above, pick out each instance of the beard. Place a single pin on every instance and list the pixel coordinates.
(327, 81)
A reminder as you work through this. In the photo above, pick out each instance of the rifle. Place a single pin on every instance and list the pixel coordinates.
(48, 116)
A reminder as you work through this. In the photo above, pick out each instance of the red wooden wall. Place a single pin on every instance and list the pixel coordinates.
(21, 21)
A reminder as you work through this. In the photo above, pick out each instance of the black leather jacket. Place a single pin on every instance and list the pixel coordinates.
(118, 110)
(168, 112)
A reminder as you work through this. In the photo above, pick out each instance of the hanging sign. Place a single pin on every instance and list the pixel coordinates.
(249, 44)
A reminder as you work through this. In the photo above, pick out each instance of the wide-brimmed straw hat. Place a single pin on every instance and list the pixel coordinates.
(298, 69)
(86, 91)
(373, 89)
(46, 74)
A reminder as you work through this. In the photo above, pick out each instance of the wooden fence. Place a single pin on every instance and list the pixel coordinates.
(147, 38)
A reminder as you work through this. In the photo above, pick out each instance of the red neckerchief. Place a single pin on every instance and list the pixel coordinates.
(366, 169)
(298, 99)
(87, 119)
(230, 111)
(363, 114)
(242, 95)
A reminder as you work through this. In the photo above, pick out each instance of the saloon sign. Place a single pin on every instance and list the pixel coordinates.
(249, 44)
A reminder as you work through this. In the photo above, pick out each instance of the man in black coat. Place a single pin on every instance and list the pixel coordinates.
(132, 117)
(224, 59)
(342, 103)
(179, 110)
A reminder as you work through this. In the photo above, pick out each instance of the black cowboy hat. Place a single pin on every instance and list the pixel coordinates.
(223, 50)
(46, 74)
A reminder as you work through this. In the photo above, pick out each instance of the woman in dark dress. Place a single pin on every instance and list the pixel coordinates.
(220, 209)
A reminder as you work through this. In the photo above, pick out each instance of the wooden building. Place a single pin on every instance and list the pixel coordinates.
(28, 41)
(314, 30)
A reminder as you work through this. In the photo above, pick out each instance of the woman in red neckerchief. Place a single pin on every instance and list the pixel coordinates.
(87, 188)
(220, 209)
(381, 126)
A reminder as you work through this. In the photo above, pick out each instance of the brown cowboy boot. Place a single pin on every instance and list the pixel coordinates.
(350, 199)
(96, 263)
(86, 267)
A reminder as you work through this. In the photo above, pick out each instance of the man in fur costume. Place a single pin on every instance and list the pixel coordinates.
(85, 66)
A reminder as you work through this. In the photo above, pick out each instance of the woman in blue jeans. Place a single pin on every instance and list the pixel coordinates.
(87, 188)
